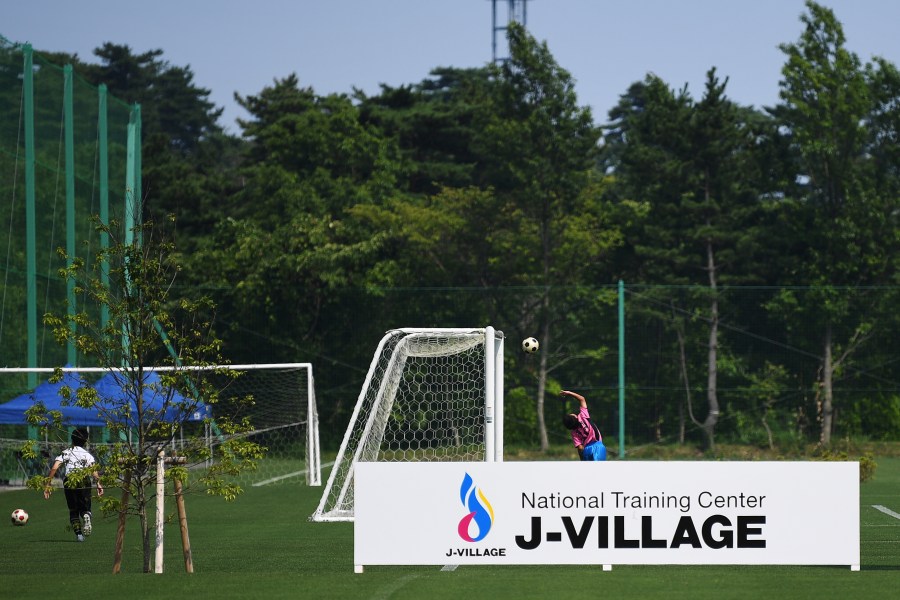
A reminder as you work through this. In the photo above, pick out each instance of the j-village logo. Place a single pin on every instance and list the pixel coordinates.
(481, 513)
(477, 522)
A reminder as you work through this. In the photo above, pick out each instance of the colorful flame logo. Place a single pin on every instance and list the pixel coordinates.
(480, 511)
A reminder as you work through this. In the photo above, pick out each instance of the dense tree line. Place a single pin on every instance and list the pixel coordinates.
(759, 245)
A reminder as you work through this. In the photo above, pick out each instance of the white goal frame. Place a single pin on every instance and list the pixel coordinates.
(313, 467)
(390, 368)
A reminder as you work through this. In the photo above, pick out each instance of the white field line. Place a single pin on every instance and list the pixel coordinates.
(886, 511)
(391, 589)
(280, 477)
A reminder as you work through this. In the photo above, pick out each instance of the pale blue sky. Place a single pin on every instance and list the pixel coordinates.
(335, 45)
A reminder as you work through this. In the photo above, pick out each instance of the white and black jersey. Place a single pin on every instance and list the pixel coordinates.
(74, 458)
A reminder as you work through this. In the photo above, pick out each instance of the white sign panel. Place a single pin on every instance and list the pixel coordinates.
(755, 513)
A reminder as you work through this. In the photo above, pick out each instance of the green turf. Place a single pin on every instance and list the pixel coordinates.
(263, 546)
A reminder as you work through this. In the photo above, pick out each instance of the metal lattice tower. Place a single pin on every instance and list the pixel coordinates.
(516, 11)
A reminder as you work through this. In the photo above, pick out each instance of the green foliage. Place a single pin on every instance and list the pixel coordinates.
(433, 123)
(834, 109)
(520, 418)
(877, 417)
(867, 464)
(292, 244)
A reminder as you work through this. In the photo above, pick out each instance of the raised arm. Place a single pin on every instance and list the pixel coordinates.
(581, 401)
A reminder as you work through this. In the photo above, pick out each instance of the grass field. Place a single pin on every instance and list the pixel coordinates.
(263, 546)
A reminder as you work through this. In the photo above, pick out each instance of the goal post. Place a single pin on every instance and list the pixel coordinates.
(431, 394)
(283, 414)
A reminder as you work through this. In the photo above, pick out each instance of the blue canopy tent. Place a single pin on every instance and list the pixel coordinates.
(46, 394)
(13, 412)
(111, 393)
(158, 402)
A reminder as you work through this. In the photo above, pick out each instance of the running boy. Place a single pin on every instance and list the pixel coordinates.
(76, 484)
(585, 435)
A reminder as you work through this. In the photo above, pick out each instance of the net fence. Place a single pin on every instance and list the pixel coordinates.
(63, 157)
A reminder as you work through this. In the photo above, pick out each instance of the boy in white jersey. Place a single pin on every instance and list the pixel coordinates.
(74, 462)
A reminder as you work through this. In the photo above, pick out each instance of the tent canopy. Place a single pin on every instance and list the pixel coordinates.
(112, 393)
(13, 412)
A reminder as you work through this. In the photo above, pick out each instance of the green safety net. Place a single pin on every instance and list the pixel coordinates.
(63, 150)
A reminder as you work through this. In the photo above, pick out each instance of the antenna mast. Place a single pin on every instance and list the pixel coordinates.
(516, 11)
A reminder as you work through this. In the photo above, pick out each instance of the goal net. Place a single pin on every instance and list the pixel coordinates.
(429, 395)
(283, 415)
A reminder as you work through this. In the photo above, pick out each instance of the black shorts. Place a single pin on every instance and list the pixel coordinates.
(78, 499)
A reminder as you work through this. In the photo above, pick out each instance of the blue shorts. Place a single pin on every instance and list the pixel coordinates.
(594, 451)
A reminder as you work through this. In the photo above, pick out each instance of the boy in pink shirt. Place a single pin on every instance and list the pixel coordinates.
(585, 435)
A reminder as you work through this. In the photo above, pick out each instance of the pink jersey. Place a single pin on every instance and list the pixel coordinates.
(584, 434)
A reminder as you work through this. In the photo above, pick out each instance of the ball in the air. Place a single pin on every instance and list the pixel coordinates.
(19, 517)
(530, 345)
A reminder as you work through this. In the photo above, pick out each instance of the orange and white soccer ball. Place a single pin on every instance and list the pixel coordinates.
(19, 517)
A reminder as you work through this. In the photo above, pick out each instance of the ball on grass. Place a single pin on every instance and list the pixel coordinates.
(19, 517)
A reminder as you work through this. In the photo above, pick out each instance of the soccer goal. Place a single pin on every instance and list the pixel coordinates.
(283, 414)
(429, 395)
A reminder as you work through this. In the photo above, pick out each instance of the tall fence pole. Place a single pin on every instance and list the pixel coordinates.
(69, 143)
(103, 150)
(621, 369)
(30, 216)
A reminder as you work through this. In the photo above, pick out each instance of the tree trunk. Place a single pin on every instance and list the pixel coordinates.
(542, 378)
(145, 527)
(827, 389)
(120, 529)
(546, 261)
(709, 425)
(765, 424)
(682, 364)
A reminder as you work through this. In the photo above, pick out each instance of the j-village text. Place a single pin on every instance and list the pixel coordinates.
(716, 531)
(476, 552)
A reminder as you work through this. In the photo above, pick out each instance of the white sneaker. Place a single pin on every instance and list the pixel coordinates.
(87, 524)
(79, 537)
